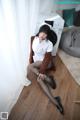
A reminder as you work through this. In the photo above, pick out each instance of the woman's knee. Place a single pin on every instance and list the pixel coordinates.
(28, 70)
(30, 67)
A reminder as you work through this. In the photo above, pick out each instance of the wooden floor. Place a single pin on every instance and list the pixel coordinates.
(33, 104)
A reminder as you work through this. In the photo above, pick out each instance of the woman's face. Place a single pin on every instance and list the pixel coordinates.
(42, 36)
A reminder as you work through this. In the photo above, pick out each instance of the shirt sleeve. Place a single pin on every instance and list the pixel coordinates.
(50, 47)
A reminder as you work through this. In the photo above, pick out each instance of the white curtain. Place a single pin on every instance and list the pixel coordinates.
(18, 19)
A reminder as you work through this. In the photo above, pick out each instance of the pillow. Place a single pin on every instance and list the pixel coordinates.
(68, 16)
(77, 18)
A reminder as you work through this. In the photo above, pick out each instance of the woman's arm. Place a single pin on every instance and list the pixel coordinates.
(31, 51)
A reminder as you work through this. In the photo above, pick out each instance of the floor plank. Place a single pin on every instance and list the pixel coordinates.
(33, 104)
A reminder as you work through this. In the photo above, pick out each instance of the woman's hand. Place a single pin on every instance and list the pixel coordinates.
(41, 76)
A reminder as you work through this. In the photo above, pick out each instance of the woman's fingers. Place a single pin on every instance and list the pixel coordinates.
(42, 76)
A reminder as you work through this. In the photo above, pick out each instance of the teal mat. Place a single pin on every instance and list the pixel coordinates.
(68, 16)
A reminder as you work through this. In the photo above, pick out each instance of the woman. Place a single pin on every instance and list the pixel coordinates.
(41, 60)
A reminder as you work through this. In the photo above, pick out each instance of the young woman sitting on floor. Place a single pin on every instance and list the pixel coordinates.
(41, 60)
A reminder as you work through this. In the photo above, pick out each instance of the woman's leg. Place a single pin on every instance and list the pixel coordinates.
(35, 69)
(47, 91)
(55, 100)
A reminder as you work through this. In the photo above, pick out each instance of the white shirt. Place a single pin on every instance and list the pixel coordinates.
(40, 48)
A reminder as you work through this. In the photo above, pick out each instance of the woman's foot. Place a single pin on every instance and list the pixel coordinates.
(59, 106)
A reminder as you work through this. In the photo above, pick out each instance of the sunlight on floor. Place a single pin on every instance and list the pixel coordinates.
(73, 65)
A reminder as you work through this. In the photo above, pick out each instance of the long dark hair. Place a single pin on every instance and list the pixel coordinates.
(51, 35)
